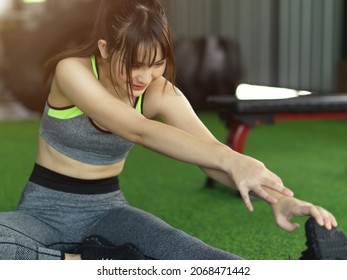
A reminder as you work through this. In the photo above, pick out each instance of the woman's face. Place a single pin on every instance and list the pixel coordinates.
(143, 73)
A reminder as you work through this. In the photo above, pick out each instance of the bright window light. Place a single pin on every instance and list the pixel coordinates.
(254, 92)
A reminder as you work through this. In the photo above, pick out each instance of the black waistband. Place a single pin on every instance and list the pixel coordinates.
(56, 181)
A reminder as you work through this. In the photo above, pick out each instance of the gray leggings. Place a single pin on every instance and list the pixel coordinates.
(49, 222)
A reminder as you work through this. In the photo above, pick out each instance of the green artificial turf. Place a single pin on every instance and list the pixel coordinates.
(310, 156)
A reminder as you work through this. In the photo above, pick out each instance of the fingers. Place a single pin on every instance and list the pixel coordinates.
(288, 226)
(273, 181)
(246, 199)
(334, 221)
(277, 186)
(323, 217)
(287, 207)
(258, 191)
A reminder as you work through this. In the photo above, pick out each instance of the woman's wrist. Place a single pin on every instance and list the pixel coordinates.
(228, 159)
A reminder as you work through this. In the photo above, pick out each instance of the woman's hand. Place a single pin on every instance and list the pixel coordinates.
(251, 176)
(287, 207)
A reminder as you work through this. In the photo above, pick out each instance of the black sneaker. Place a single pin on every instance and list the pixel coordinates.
(323, 244)
(98, 248)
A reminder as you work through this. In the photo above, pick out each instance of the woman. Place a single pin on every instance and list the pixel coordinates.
(104, 97)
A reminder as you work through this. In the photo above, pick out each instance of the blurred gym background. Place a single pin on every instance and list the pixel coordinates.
(298, 44)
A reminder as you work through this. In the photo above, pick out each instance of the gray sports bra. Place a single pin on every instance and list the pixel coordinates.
(75, 135)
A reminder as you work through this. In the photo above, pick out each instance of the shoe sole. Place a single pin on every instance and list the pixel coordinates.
(126, 251)
(326, 244)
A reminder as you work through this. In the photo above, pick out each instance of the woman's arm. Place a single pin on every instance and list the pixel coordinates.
(75, 81)
(286, 207)
(174, 109)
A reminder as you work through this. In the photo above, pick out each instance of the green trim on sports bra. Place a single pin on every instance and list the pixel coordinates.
(138, 107)
(65, 114)
(94, 66)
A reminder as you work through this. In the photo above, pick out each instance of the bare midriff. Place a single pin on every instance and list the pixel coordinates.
(51, 159)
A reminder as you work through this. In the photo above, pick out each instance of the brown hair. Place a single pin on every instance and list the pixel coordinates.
(125, 25)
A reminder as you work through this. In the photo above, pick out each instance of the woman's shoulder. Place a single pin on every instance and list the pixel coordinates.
(72, 62)
(160, 95)
(74, 78)
(65, 75)
(73, 69)
(162, 87)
